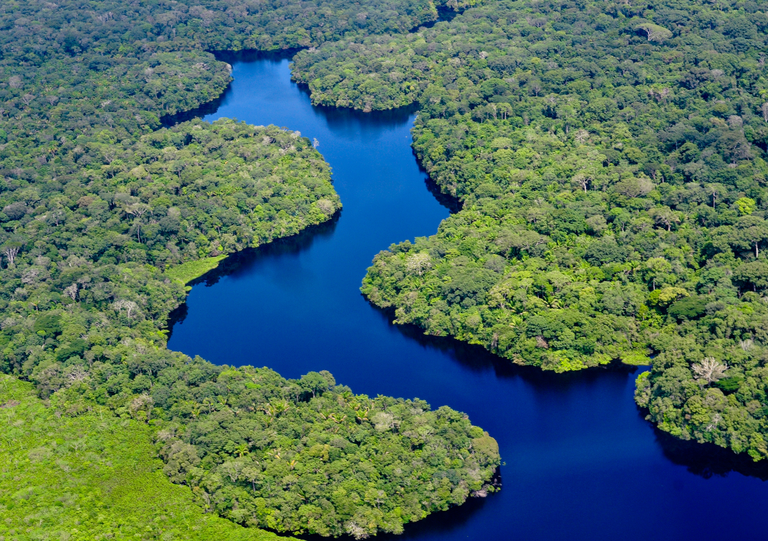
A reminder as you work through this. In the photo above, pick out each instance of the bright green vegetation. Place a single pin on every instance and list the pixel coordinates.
(610, 159)
(191, 270)
(104, 217)
(309, 456)
(91, 476)
(290, 455)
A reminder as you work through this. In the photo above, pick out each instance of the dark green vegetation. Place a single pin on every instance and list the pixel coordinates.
(91, 476)
(84, 258)
(610, 162)
(104, 218)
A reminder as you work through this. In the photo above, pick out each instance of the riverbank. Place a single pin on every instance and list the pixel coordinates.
(578, 451)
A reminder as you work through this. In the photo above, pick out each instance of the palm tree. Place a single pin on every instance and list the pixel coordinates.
(242, 450)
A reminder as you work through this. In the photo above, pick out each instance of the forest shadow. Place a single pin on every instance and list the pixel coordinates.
(336, 117)
(230, 57)
(341, 120)
(255, 55)
(705, 460)
(476, 358)
(208, 108)
(453, 204)
(345, 119)
(708, 460)
(444, 15)
(441, 522)
(242, 262)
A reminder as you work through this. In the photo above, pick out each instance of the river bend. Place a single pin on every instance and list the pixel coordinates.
(581, 463)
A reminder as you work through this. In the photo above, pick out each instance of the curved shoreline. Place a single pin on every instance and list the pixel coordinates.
(575, 424)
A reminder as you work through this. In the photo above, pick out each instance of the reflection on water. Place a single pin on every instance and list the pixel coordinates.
(581, 463)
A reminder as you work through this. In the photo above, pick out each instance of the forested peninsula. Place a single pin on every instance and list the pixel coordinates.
(610, 162)
(106, 216)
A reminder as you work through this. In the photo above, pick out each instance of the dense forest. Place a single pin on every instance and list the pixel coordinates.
(257, 455)
(104, 218)
(91, 476)
(610, 163)
(609, 159)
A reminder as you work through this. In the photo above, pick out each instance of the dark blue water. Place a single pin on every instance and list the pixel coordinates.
(580, 461)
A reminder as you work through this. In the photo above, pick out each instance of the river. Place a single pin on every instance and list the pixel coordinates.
(581, 463)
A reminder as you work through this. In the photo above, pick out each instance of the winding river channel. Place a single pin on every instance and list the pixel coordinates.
(581, 463)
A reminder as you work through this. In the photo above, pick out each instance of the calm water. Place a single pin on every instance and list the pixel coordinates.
(580, 461)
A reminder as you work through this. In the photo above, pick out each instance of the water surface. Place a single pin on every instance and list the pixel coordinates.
(580, 461)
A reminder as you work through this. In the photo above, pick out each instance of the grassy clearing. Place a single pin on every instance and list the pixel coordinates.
(635, 358)
(186, 272)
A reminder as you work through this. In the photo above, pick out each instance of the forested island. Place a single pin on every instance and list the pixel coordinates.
(106, 217)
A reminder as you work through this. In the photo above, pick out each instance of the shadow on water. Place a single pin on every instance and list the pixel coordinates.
(230, 57)
(208, 108)
(243, 262)
(448, 201)
(708, 460)
(440, 523)
(476, 358)
(252, 55)
(340, 119)
(705, 460)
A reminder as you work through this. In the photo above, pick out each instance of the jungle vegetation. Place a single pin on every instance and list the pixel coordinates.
(105, 216)
(610, 162)
(91, 476)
